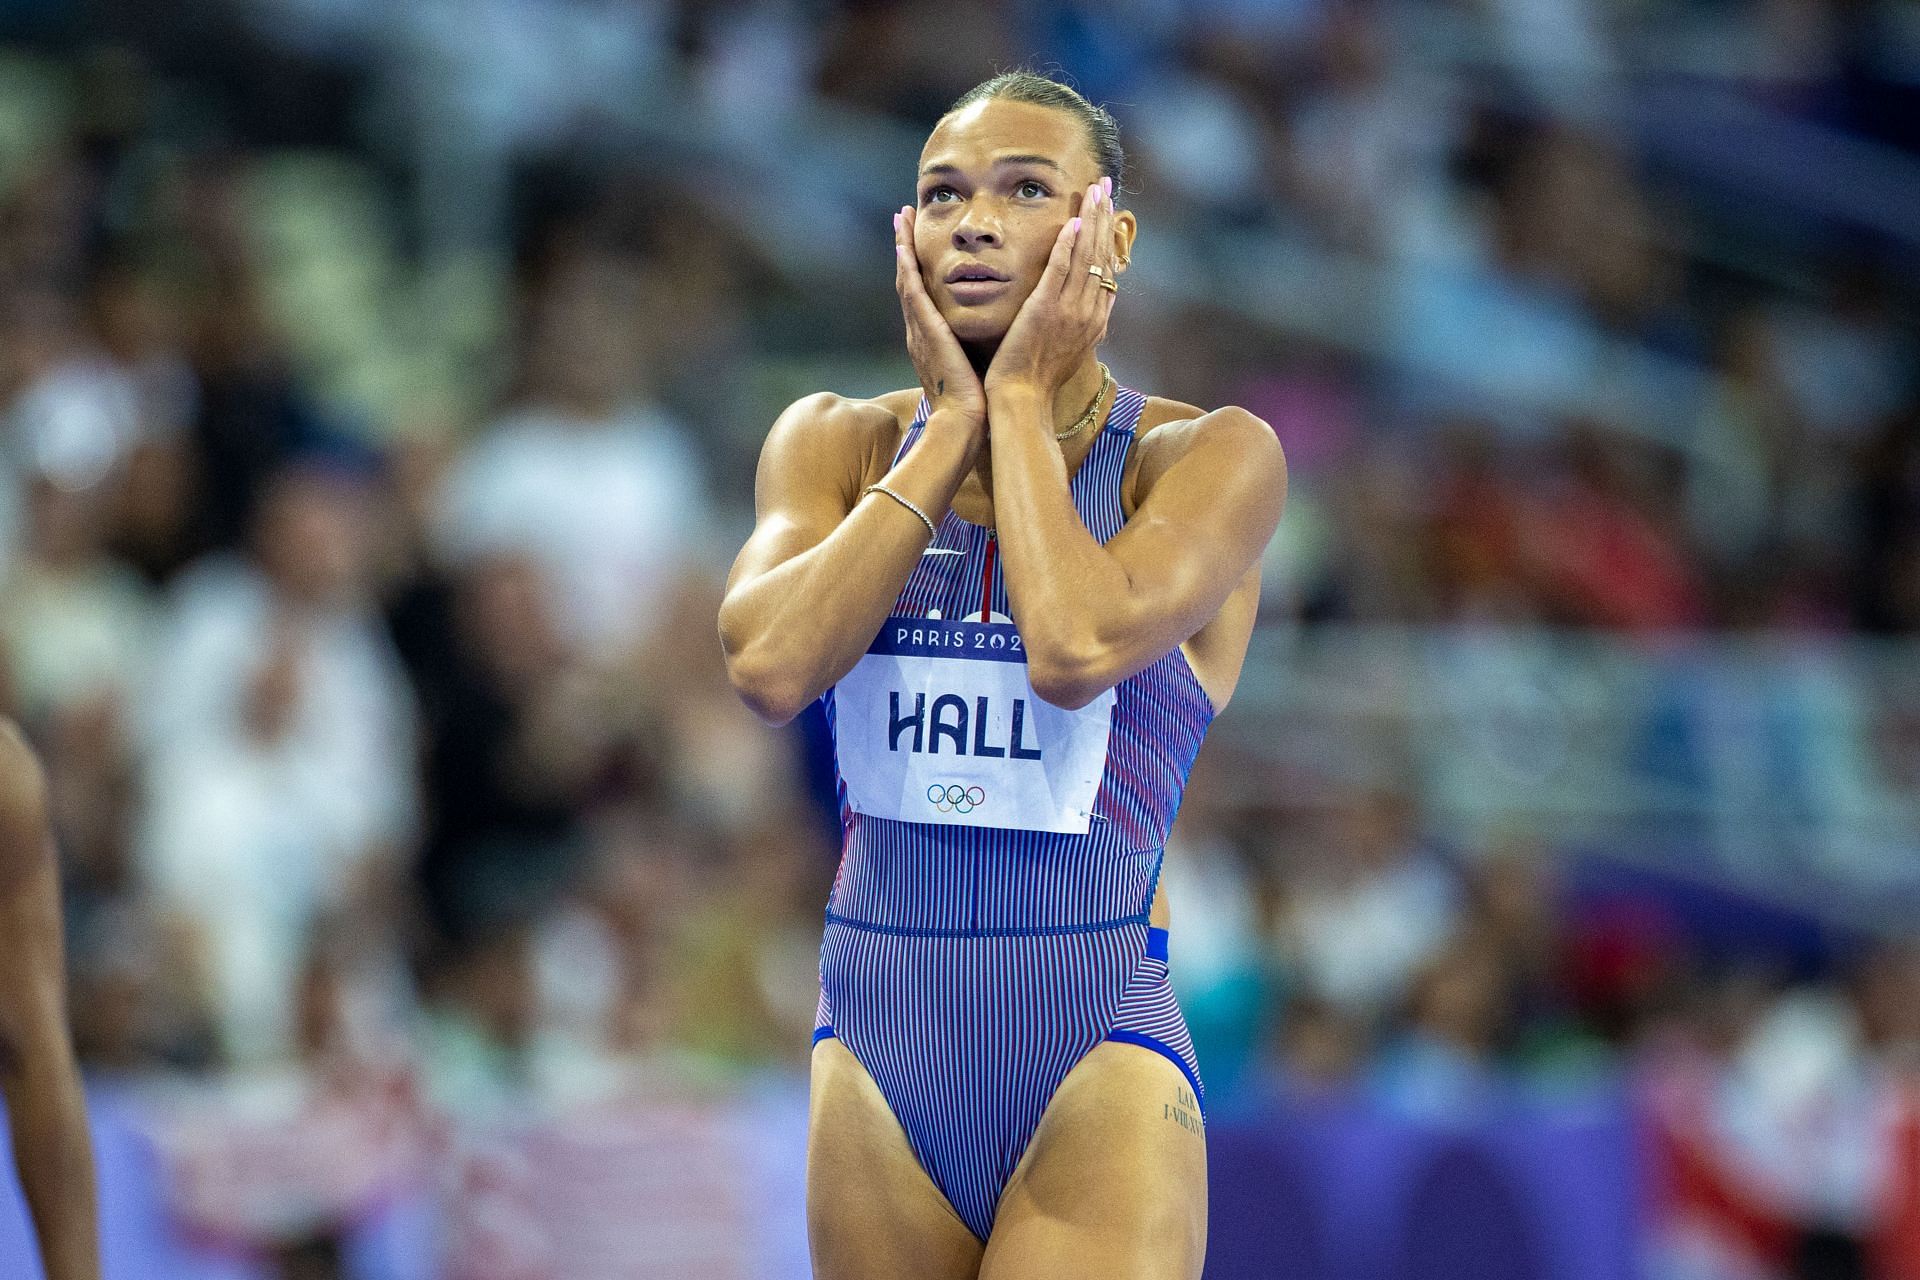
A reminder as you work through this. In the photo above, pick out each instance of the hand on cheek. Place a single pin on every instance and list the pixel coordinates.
(1065, 317)
(946, 376)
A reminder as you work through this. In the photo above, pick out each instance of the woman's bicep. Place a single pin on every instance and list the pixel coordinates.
(805, 485)
(1203, 522)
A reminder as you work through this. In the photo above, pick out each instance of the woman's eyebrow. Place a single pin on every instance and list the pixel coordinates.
(1027, 159)
(998, 162)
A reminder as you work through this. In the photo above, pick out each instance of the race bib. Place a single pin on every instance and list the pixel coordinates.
(937, 723)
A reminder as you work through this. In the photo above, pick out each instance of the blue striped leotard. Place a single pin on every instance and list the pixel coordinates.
(988, 925)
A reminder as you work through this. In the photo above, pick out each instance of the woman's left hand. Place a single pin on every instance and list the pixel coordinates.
(1065, 317)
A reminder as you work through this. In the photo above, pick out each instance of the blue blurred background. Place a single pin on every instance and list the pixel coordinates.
(380, 386)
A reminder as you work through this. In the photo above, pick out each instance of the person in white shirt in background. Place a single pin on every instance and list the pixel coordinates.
(582, 474)
(1377, 912)
(278, 741)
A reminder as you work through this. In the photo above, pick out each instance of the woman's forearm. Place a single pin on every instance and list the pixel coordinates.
(791, 632)
(53, 1154)
(46, 1110)
(1059, 579)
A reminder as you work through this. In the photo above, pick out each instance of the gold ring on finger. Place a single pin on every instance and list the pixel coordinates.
(1097, 270)
(1109, 285)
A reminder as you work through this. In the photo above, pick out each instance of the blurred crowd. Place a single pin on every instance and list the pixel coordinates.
(379, 393)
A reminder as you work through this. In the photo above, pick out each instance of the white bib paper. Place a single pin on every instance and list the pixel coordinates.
(938, 723)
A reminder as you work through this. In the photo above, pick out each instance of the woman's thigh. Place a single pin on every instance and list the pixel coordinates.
(1114, 1184)
(872, 1211)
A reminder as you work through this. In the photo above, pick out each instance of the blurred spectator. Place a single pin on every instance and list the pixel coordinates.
(278, 734)
(919, 78)
(1318, 1050)
(1370, 141)
(480, 1041)
(1606, 545)
(1741, 489)
(253, 416)
(601, 489)
(1480, 518)
(1443, 1065)
(511, 756)
(1376, 908)
(1518, 913)
(78, 623)
(1886, 994)
(1887, 562)
(1844, 361)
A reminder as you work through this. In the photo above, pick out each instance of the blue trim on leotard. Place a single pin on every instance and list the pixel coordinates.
(1120, 1035)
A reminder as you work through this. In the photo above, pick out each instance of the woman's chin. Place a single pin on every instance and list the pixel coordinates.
(981, 327)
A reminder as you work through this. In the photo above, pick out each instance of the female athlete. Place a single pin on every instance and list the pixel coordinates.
(38, 1077)
(1023, 593)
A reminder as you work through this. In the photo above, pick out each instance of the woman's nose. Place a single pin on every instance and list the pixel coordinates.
(976, 227)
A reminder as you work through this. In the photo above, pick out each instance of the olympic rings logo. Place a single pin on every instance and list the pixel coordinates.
(954, 798)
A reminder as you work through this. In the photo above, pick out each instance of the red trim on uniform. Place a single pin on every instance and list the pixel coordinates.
(986, 578)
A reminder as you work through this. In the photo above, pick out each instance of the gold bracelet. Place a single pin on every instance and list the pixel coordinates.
(880, 488)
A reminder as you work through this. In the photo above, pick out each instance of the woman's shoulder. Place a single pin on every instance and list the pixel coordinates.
(1168, 430)
(829, 418)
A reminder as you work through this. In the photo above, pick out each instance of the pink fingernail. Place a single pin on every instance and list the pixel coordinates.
(1108, 184)
(896, 222)
(1075, 225)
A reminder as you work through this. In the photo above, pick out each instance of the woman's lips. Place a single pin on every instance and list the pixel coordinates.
(974, 292)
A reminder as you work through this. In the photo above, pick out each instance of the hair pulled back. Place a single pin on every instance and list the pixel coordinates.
(1103, 135)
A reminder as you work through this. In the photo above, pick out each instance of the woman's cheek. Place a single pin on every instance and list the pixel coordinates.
(927, 239)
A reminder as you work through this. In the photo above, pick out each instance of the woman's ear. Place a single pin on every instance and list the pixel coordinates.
(1125, 226)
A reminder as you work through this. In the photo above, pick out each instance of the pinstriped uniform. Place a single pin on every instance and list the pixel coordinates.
(969, 968)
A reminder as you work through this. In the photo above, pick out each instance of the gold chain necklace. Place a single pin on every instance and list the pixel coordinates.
(1106, 380)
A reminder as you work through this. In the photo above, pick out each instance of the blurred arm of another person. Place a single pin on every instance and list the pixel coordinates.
(46, 1109)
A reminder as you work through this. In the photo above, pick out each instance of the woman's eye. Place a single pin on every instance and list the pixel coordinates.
(1031, 190)
(939, 195)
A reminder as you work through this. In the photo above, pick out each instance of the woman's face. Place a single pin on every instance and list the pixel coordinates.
(998, 180)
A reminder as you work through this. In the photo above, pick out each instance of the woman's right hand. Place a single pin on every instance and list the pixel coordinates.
(947, 377)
